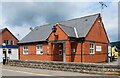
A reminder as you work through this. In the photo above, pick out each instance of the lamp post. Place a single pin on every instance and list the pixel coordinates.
(4, 53)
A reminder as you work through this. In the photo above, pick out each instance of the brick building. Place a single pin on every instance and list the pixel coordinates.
(78, 40)
(8, 45)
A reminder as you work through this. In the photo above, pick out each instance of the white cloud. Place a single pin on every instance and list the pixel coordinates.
(110, 19)
(59, 0)
(19, 32)
(63, 12)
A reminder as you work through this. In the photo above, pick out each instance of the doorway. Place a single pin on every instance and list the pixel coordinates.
(59, 52)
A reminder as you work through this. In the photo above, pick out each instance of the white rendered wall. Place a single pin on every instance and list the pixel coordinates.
(13, 56)
(1, 54)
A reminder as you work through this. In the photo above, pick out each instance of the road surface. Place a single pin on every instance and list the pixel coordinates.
(21, 71)
(116, 61)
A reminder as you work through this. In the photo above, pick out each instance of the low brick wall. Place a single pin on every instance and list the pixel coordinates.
(73, 67)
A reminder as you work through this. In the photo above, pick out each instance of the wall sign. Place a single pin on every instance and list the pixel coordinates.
(98, 48)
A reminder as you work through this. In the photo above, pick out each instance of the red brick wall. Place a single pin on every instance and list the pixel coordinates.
(61, 35)
(6, 35)
(68, 51)
(76, 56)
(96, 34)
(32, 53)
(53, 49)
(98, 56)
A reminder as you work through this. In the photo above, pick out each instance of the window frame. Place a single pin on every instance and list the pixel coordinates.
(25, 49)
(9, 51)
(92, 48)
(6, 42)
(39, 51)
(12, 41)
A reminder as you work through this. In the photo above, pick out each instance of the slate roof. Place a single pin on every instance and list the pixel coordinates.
(68, 30)
(82, 26)
(40, 33)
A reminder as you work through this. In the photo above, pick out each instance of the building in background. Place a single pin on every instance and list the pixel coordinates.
(78, 40)
(8, 45)
(117, 44)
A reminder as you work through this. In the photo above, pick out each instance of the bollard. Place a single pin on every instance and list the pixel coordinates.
(4, 61)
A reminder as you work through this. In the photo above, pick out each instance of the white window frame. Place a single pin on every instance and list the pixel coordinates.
(25, 49)
(39, 50)
(92, 48)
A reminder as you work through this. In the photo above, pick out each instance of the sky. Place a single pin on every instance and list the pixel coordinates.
(19, 16)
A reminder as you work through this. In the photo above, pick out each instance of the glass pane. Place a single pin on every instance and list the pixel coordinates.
(41, 46)
(37, 47)
(91, 51)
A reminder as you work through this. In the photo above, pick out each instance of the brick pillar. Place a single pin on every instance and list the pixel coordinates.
(68, 51)
(50, 51)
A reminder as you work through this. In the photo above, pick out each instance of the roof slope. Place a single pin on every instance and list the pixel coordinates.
(68, 30)
(40, 33)
(82, 26)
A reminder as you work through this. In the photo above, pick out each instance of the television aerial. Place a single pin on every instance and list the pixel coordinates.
(102, 7)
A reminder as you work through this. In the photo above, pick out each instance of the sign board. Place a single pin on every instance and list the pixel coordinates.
(98, 48)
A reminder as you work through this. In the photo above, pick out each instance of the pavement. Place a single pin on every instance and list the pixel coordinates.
(22, 71)
(116, 61)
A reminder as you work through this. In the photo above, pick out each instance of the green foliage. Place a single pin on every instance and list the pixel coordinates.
(119, 52)
(117, 44)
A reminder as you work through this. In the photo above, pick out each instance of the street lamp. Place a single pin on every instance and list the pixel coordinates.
(4, 53)
(4, 44)
(4, 47)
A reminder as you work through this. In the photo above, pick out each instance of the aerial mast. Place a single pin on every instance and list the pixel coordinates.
(102, 7)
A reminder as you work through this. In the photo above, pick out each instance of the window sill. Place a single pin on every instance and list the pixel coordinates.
(25, 54)
(92, 53)
(39, 54)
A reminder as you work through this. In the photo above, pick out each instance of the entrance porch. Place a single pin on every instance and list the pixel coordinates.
(64, 51)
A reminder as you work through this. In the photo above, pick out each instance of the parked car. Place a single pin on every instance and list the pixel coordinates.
(115, 52)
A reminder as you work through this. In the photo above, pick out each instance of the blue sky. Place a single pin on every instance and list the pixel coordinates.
(20, 16)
